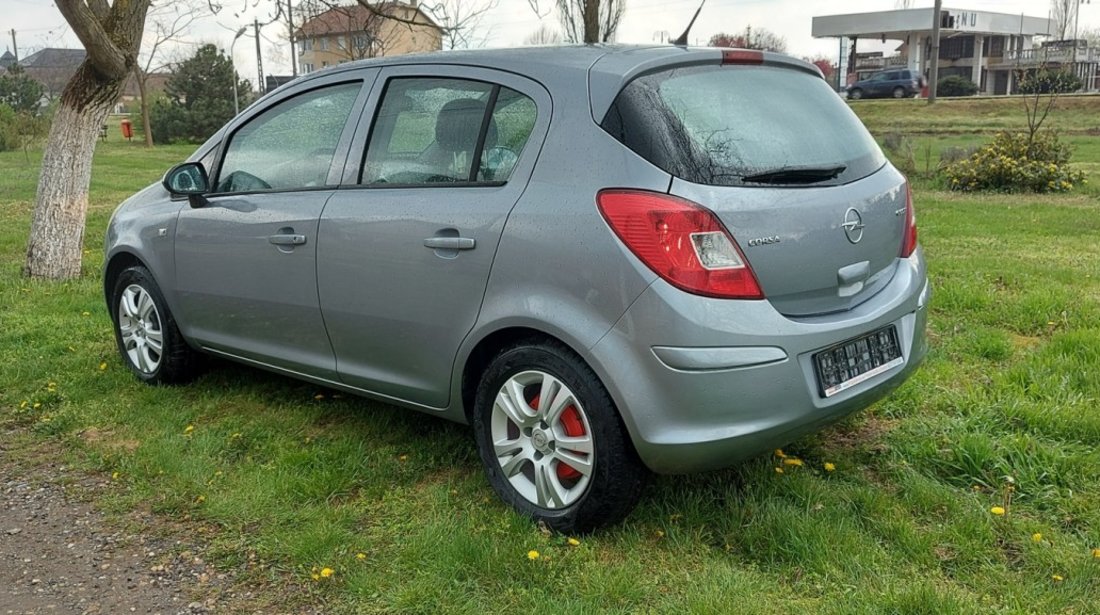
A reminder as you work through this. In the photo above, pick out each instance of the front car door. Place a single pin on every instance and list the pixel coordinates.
(246, 260)
(406, 245)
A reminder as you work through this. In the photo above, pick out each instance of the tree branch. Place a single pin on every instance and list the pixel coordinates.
(105, 56)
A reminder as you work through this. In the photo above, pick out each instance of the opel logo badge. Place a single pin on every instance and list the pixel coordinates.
(853, 225)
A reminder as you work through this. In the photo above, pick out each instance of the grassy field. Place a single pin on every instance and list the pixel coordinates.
(285, 479)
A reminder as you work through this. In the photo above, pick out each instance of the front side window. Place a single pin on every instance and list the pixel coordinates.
(438, 131)
(290, 145)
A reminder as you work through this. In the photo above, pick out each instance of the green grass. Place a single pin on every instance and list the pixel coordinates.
(280, 481)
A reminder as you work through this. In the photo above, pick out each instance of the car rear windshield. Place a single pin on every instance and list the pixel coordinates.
(719, 125)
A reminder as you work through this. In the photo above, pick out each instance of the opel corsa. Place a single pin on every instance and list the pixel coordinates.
(609, 261)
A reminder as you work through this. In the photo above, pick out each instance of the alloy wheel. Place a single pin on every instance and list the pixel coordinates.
(139, 324)
(542, 439)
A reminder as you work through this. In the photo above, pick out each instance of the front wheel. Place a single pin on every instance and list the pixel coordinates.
(855, 94)
(146, 333)
(552, 442)
(899, 93)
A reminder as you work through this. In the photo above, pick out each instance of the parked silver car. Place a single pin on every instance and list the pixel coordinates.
(608, 260)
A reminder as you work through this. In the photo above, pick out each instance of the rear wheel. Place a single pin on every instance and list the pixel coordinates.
(552, 442)
(146, 333)
(899, 92)
(855, 94)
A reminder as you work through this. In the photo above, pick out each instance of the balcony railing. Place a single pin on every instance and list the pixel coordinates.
(1043, 55)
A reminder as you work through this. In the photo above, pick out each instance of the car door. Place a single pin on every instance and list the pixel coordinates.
(246, 258)
(406, 245)
(877, 84)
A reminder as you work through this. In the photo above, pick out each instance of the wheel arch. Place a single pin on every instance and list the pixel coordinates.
(489, 346)
(116, 264)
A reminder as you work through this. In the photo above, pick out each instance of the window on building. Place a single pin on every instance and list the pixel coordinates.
(304, 45)
(307, 67)
(957, 48)
(323, 43)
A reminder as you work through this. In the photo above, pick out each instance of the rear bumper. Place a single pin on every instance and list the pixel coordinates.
(704, 383)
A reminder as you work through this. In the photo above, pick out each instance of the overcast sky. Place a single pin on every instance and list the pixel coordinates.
(38, 23)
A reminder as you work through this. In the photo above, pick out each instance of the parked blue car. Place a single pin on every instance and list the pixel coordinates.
(900, 83)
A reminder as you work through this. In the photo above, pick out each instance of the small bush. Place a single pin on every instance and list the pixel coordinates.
(899, 148)
(956, 85)
(1013, 163)
(1049, 82)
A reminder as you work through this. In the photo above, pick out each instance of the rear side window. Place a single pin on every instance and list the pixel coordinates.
(442, 131)
(719, 124)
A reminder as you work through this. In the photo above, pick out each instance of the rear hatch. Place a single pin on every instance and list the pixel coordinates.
(784, 164)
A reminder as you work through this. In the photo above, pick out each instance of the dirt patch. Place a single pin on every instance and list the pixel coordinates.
(59, 554)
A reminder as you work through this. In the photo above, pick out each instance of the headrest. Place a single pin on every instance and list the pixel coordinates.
(458, 125)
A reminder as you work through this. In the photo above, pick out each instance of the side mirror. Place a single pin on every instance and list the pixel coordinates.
(187, 179)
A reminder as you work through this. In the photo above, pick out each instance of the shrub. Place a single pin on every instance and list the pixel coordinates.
(900, 150)
(1049, 82)
(1014, 163)
(956, 85)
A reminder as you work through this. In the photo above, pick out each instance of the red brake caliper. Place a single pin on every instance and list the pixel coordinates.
(573, 426)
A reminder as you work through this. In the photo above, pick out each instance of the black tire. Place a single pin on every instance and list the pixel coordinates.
(855, 94)
(176, 362)
(899, 92)
(617, 477)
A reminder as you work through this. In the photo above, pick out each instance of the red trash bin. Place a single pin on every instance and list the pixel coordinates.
(127, 129)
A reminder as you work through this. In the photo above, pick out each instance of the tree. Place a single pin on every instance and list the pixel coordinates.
(110, 31)
(825, 65)
(903, 4)
(759, 38)
(169, 20)
(545, 35)
(1062, 14)
(585, 21)
(19, 91)
(199, 97)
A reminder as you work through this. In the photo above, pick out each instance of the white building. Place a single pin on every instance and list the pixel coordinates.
(986, 47)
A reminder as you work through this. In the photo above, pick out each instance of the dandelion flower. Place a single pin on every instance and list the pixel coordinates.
(114, 475)
(103, 366)
(1036, 537)
(779, 453)
(85, 313)
(200, 499)
(327, 572)
(188, 429)
(360, 556)
(402, 457)
(37, 405)
(318, 397)
(315, 576)
(532, 555)
(660, 533)
(997, 510)
(778, 470)
(1096, 553)
(829, 467)
(793, 461)
(1057, 578)
(573, 542)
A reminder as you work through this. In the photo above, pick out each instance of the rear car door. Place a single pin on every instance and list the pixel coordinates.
(407, 243)
(246, 259)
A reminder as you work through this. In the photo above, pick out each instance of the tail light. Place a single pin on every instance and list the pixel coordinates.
(909, 236)
(680, 241)
(742, 56)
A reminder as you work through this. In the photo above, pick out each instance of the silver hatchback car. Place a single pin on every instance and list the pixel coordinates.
(607, 260)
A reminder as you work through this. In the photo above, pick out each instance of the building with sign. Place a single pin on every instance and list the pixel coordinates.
(988, 48)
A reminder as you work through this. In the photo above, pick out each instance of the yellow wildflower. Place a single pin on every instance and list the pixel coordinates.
(85, 313)
(779, 453)
(1096, 553)
(793, 461)
(778, 470)
(573, 542)
(829, 467)
(318, 397)
(114, 475)
(1036, 537)
(997, 510)
(37, 405)
(315, 576)
(188, 429)
(1057, 578)
(360, 556)
(532, 555)
(200, 499)
(327, 572)
(660, 533)
(103, 366)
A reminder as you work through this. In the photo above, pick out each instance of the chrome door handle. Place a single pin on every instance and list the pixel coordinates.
(287, 239)
(449, 243)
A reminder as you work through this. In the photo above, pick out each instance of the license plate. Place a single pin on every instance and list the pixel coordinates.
(849, 363)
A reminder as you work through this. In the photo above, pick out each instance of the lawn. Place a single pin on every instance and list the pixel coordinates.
(284, 479)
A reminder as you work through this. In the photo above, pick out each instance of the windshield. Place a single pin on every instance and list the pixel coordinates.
(720, 124)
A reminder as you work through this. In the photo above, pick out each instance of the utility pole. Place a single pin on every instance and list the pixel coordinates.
(293, 50)
(14, 48)
(934, 73)
(261, 87)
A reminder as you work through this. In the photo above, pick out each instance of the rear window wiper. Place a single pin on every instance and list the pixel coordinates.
(795, 175)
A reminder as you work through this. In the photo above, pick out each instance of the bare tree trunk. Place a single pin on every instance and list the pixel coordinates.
(591, 21)
(57, 227)
(146, 126)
